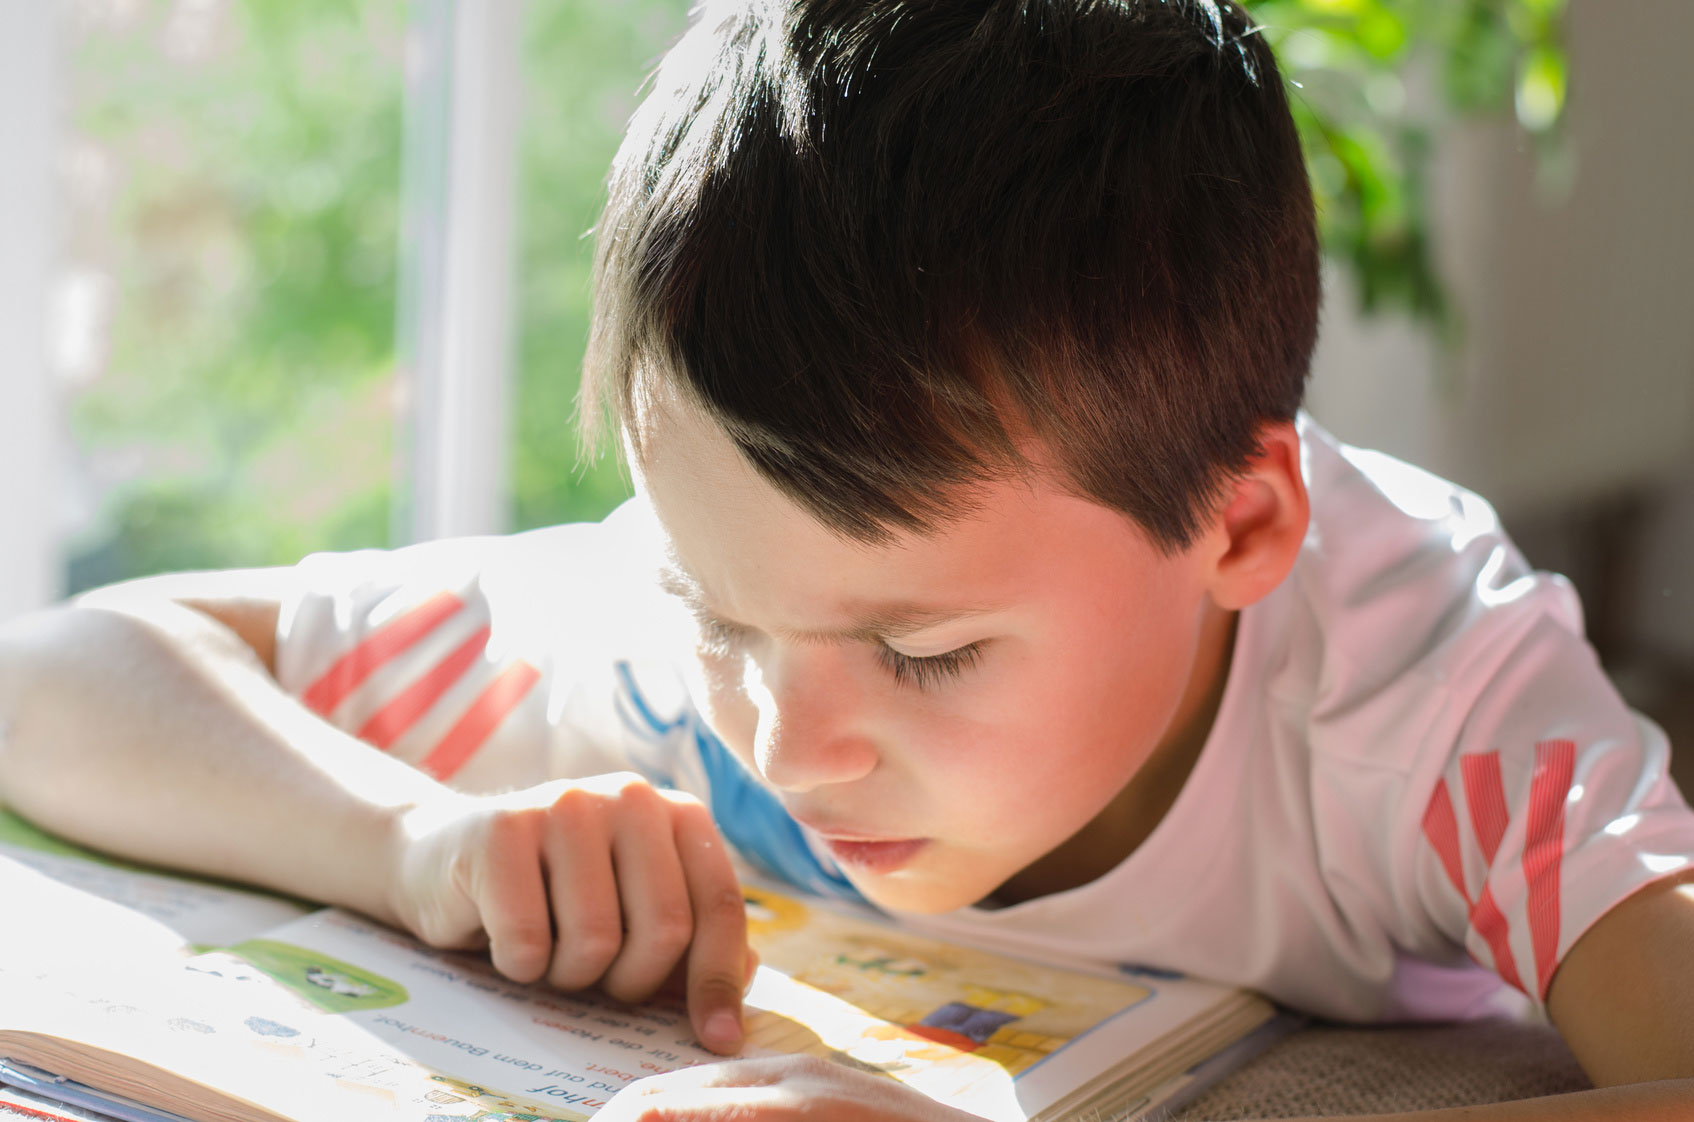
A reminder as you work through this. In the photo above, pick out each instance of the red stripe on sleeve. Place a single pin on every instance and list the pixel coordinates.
(1485, 796)
(390, 723)
(1488, 921)
(1485, 799)
(1441, 827)
(480, 720)
(1555, 761)
(393, 637)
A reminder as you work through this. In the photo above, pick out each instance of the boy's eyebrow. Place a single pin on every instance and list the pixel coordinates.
(878, 621)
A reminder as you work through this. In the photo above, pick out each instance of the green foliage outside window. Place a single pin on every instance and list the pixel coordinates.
(1355, 65)
(250, 226)
(244, 412)
(586, 63)
(247, 223)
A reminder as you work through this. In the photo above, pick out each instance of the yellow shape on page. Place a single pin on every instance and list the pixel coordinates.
(790, 1016)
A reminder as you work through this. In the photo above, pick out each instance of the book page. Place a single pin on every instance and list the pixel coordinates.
(161, 1033)
(960, 1024)
(53, 926)
(963, 1025)
(529, 1046)
(201, 912)
(333, 1009)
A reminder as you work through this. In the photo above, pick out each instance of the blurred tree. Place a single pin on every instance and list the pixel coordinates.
(250, 154)
(585, 64)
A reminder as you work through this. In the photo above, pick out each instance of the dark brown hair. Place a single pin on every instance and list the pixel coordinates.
(884, 243)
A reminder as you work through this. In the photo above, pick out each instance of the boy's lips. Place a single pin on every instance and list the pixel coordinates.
(875, 856)
(876, 853)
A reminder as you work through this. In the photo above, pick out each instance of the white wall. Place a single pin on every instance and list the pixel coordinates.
(1575, 380)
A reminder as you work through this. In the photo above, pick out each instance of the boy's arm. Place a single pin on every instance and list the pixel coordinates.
(1624, 996)
(146, 720)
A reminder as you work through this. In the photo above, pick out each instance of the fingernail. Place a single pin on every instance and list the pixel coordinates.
(722, 1032)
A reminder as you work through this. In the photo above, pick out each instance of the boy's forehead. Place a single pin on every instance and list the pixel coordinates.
(860, 621)
(737, 545)
(685, 464)
(667, 431)
(711, 503)
(690, 470)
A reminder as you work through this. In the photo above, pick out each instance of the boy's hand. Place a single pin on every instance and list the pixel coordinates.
(777, 1089)
(605, 881)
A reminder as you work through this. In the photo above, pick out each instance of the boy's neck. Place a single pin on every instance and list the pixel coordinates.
(1130, 818)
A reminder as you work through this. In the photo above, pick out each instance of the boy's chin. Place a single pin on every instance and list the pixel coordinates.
(918, 893)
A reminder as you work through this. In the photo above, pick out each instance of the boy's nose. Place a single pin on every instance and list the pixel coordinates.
(807, 736)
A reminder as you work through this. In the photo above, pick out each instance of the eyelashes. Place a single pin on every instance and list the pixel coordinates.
(721, 640)
(930, 670)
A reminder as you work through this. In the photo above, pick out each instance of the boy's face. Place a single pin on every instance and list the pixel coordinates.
(945, 710)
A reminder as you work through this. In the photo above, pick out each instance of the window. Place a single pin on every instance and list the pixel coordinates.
(239, 293)
(225, 304)
(584, 65)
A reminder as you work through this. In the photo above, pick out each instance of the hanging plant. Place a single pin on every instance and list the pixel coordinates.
(1368, 143)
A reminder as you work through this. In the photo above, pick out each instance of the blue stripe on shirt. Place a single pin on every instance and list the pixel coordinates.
(749, 816)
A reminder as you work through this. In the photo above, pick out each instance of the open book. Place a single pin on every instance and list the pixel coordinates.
(143, 995)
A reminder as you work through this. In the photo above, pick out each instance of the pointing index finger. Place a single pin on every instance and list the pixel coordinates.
(717, 956)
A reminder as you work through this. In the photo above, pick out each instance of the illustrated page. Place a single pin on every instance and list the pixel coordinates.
(521, 1047)
(362, 1009)
(963, 1025)
(956, 1023)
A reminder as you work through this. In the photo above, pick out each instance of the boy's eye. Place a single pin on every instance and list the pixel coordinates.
(722, 639)
(928, 671)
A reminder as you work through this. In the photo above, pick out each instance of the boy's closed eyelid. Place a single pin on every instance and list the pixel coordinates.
(877, 622)
(939, 647)
(929, 671)
(907, 667)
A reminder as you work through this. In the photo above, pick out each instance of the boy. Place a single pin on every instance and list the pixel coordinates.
(956, 349)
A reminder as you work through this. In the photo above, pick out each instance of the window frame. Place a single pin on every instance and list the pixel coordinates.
(31, 475)
(457, 311)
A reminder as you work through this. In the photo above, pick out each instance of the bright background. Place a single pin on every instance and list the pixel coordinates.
(281, 276)
(230, 349)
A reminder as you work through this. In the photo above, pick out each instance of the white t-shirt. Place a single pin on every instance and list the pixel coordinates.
(1419, 781)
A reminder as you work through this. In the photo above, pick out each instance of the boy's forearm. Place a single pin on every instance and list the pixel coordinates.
(155, 733)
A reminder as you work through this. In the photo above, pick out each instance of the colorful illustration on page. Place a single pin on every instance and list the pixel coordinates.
(942, 1017)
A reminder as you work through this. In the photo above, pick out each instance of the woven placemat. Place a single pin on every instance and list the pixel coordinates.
(1342, 1069)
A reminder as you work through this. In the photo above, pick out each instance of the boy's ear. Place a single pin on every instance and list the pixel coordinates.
(1256, 535)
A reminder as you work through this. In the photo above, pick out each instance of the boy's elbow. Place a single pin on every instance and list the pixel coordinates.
(243, 603)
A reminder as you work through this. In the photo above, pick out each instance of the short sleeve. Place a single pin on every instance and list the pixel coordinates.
(1555, 807)
(460, 656)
